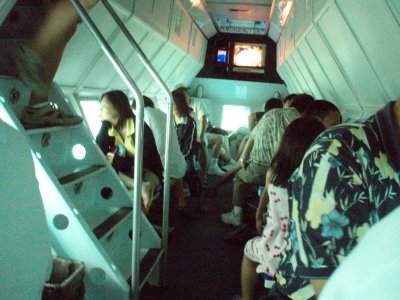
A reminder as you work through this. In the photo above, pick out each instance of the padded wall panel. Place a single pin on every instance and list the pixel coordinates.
(317, 6)
(351, 58)
(196, 43)
(297, 73)
(395, 8)
(103, 73)
(318, 72)
(313, 88)
(288, 36)
(151, 44)
(156, 13)
(180, 28)
(303, 13)
(343, 92)
(83, 51)
(290, 73)
(367, 22)
(288, 81)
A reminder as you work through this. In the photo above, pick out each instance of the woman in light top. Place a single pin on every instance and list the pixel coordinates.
(117, 141)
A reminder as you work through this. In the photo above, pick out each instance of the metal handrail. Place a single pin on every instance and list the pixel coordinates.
(152, 71)
(139, 126)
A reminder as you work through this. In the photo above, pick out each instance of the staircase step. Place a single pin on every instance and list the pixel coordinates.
(147, 265)
(51, 129)
(79, 174)
(105, 227)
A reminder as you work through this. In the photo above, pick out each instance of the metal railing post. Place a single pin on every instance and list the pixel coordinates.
(168, 95)
(138, 141)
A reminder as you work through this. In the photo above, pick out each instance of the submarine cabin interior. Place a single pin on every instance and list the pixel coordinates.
(234, 55)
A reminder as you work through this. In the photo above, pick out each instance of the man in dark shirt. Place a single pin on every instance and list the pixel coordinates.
(348, 180)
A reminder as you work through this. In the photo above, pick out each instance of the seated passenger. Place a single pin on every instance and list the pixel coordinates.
(157, 121)
(187, 131)
(347, 182)
(209, 165)
(325, 111)
(270, 104)
(117, 140)
(36, 64)
(261, 147)
(262, 253)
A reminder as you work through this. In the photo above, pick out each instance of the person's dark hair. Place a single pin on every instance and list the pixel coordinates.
(297, 138)
(273, 103)
(289, 97)
(120, 102)
(321, 109)
(301, 101)
(147, 102)
(180, 102)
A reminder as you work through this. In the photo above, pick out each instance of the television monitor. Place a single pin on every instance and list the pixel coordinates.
(249, 57)
(221, 56)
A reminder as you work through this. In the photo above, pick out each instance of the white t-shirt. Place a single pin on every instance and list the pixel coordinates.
(25, 250)
(199, 110)
(372, 269)
(157, 121)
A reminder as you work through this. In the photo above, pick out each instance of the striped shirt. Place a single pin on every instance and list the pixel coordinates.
(268, 133)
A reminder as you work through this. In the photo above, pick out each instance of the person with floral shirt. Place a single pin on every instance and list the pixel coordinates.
(348, 181)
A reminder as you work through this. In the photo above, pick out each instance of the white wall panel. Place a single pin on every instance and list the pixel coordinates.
(103, 73)
(303, 13)
(317, 6)
(288, 36)
(196, 43)
(288, 81)
(289, 72)
(344, 96)
(83, 51)
(366, 20)
(395, 8)
(318, 72)
(298, 58)
(350, 57)
(297, 73)
(156, 13)
(180, 28)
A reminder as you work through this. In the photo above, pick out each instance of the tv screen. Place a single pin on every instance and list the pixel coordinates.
(221, 56)
(249, 56)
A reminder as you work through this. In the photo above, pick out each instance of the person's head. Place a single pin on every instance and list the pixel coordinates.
(301, 101)
(185, 92)
(147, 102)
(297, 138)
(273, 103)
(115, 108)
(181, 108)
(287, 101)
(325, 111)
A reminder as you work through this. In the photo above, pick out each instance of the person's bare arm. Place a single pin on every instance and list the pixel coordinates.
(247, 149)
(251, 121)
(262, 204)
(318, 285)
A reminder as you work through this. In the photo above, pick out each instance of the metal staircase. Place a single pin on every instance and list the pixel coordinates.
(90, 214)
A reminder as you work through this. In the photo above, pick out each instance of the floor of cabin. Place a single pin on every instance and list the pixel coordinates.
(201, 264)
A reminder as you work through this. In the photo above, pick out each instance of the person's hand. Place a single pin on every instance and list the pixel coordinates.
(110, 157)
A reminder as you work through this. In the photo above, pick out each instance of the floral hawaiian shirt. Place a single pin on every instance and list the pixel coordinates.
(348, 180)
